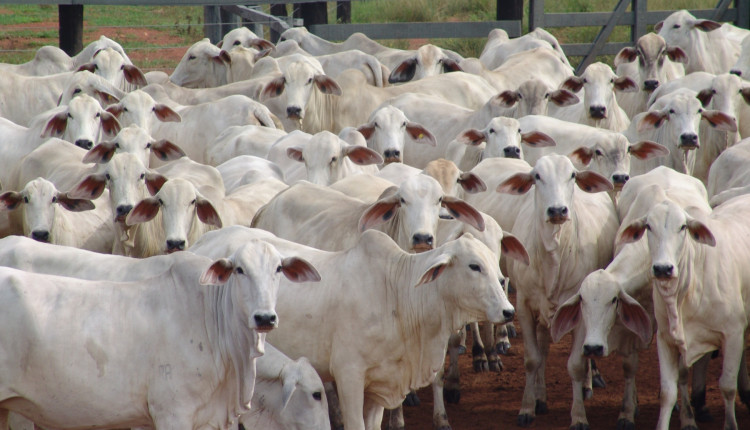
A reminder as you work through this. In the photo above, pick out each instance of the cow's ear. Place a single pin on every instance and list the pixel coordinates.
(592, 182)
(626, 55)
(420, 134)
(379, 212)
(154, 182)
(463, 212)
(362, 155)
(582, 155)
(518, 184)
(327, 85)
(90, 188)
(634, 317)
(573, 83)
(567, 317)
(101, 153)
(471, 137)
(745, 94)
(56, 125)
(207, 213)
(287, 389)
(134, 75)
(367, 130)
(273, 88)
(537, 139)
(105, 98)
(677, 55)
(165, 113)
(720, 120)
(632, 233)
(508, 98)
(10, 200)
(262, 45)
(652, 120)
(626, 85)
(647, 149)
(471, 183)
(700, 233)
(89, 67)
(74, 205)
(705, 96)
(166, 150)
(299, 270)
(115, 109)
(513, 248)
(658, 26)
(451, 66)
(404, 72)
(706, 25)
(563, 97)
(144, 211)
(218, 273)
(295, 153)
(110, 124)
(435, 270)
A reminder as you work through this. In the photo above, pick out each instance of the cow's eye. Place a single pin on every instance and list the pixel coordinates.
(614, 299)
(143, 175)
(502, 282)
(54, 199)
(26, 199)
(309, 81)
(191, 57)
(76, 91)
(106, 175)
(98, 115)
(278, 269)
(612, 81)
(125, 109)
(475, 267)
(573, 175)
(598, 152)
(236, 42)
(585, 81)
(333, 159)
(683, 227)
(148, 145)
(537, 177)
(239, 271)
(161, 202)
(491, 131)
(70, 116)
(193, 202)
(403, 201)
(317, 395)
(676, 26)
(671, 111)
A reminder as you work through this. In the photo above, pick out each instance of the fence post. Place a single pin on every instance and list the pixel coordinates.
(212, 23)
(536, 14)
(743, 13)
(70, 18)
(638, 28)
(277, 9)
(344, 12)
(314, 13)
(509, 10)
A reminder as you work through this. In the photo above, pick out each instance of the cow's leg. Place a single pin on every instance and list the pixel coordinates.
(668, 362)
(577, 367)
(502, 338)
(373, 414)
(687, 415)
(698, 395)
(544, 339)
(626, 420)
(334, 409)
(450, 386)
(478, 349)
(462, 334)
(743, 382)
(351, 391)
(439, 414)
(733, 352)
(491, 340)
(395, 418)
(532, 360)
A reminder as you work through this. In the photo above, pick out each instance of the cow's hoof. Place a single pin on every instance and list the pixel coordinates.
(495, 365)
(580, 426)
(511, 330)
(502, 348)
(481, 366)
(703, 415)
(525, 420)
(451, 396)
(461, 349)
(623, 424)
(588, 393)
(412, 399)
(541, 408)
(689, 428)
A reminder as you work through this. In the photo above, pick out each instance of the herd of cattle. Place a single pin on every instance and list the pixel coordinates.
(357, 205)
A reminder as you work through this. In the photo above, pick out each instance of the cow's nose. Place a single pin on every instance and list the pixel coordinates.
(651, 84)
(736, 72)
(558, 214)
(593, 350)
(40, 235)
(689, 140)
(663, 271)
(512, 152)
(123, 210)
(175, 245)
(620, 179)
(293, 111)
(265, 322)
(84, 143)
(422, 241)
(392, 155)
(509, 314)
(598, 112)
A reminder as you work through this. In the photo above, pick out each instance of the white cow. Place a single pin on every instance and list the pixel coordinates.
(47, 60)
(203, 65)
(116, 69)
(532, 98)
(135, 140)
(246, 169)
(241, 140)
(569, 233)
(85, 82)
(138, 107)
(499, 46)
(385, 131)
(742, 66)
(540, 63)
(427, 60)
(729, 175)
(242, 36)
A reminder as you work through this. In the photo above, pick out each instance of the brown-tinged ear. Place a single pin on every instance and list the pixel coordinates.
(632, 233)
(262, 45)
(362, 155)
(218, 273)
(207, 213)
(74, 205)
(261, 53)
(745, 94)
(720, 120)
(435, 270)
(706, 25)
(295, 153)
(658, 26)
(518, 184)
(647, 149)
(367, 130)
(154, 182)
(115, 109)
(134, 75)
(379, 212)
(144, 211)
(471, 183)
(166, 150)
(90, 188)
(573, 83)
(705, 96)
(626, 55)
(626, 85)
(537, 139)
(165, 113)
(89, 67)
(463, 212)
(582, 155)
(566, 318)
(100, 153)
(677, 55)
(472, 137)
(513, 248)
(634, 317)
(298, 270)
(700, 233)
(110, 124)
(223, 58)
(451, 66)
(652, 120)
(327, 85)
(420, 134)
(105, 98)
(220, 43)
(404, 72)
(56, 125)
(508, 98)
(10, 200)
(273, 88)
(592, 182)
(563, 97)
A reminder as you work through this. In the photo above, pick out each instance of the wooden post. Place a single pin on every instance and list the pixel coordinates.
(639, 20)
(743, 13)
(509, 10)
(314, 13)
(212, 23)
(277, 9)
(70, 19)
(344, 12)
(536, 14)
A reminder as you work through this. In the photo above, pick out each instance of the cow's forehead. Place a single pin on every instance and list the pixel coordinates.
(138, 98)
(598, 284)
(445, 172)
(40, 187)
(666, 215)
(177, 189)
(420, 187)
(108, 56)
(471, 248)
(322, 144)
(298, 71)
(554, 165)
(83, 103)
(533, 88)
(255, 252)
(651, 44)
(132, 133)
(125, 164)
(598, 71)
(390, 114)
(501, 122)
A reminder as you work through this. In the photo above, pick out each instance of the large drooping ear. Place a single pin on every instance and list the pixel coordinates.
(626, 55)
(379, 212)
(573, 83)
(700, 233)
(56, 125)
(508, 98)
(632, 233)
(327, 85)
(745, 94)
(647, 149)
(563, 97)
(218, 273)
(105, 98)
(362, 155)
(634, 317)
(451, 66)
(566, 318)
(165, 113)
(134, 75)
(471, 183)
(404, 72)
(295, 153)
(116, 109)
(705, 96)
(90, 188)
(652, 120)
(144, 211)
(518, 184)
(89, 67)
(207, 213)
(720, 120)
(154, 182)
(582, 155)
(287, 389)
(513, 248)
(166, 151)
(472, 137)
(592, 182)
(419, 134)
(676, 54)
(10, 200)
(463, 212)
(222, 59)
(367, 130)
(262, 45)
(74, 205)
(273, 88)
(705, 25)
(658, 26)
(299, 270)
(100, 153)
(435, 270)
(537, 139)
(626, 85)
(110, 124)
